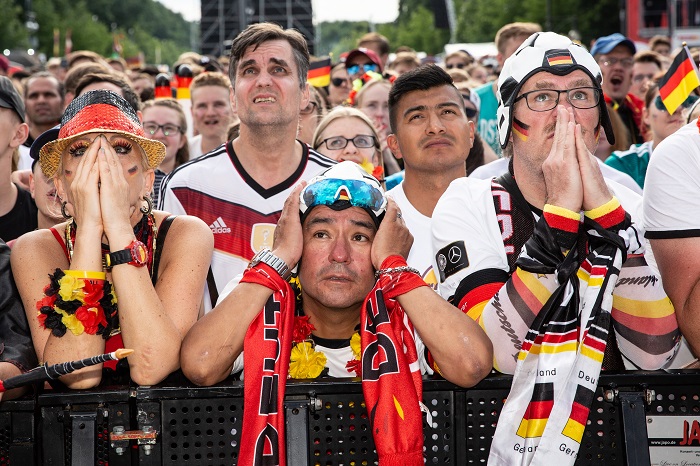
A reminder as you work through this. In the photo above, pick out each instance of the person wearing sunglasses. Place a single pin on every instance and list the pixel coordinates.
(458, 59)
(360, 61)
(340, 85)
(348, 134)
(660, 124)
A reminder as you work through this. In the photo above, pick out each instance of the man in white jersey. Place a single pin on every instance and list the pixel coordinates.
(239, 188)
(433, 136)
(548, 257)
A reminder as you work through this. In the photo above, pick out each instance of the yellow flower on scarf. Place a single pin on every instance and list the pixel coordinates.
(356, 345)
(305, 362)
(70, 288)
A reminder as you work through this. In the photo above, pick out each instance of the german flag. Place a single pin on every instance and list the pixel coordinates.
(559, 57)
(320, 73)
(679, 81)
(521, 129)
(579, 413)
(537, 412)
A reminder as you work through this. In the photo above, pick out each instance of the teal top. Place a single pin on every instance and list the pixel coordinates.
(633, 161)
(488, 116)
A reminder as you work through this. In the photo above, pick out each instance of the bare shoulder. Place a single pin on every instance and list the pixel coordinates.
(38, 245)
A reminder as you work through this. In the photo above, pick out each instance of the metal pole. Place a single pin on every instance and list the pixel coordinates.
(222, 28)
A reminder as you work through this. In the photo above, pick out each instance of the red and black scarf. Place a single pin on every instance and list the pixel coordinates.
(391, 380)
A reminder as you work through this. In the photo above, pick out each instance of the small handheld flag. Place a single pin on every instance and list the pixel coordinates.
(46, 372)
(679, 81)
(320, 73)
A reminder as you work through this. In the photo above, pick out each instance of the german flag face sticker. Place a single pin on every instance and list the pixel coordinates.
(520, 129)
(558, 57)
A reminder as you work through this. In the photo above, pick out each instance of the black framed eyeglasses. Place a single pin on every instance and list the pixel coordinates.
(309, 109)
(543, 100)
(361, 141)
(168, 129)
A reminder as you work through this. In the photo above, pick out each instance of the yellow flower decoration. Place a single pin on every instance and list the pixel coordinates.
(356, 345)
(305, 362)
(73, 324)
(367, 166)
(71, 288)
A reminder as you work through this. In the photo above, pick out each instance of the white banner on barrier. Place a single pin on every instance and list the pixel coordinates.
(674, 440)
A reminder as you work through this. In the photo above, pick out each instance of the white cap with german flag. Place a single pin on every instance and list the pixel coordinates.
(553, 53)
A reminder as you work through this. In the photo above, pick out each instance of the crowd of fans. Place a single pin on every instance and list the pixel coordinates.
(373, 182)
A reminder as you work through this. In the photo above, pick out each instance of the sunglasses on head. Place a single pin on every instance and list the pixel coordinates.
(359, 193)
(659, 104)
(354, 69)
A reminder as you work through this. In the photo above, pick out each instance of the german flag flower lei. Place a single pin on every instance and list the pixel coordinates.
(82, 302)
(305, 362)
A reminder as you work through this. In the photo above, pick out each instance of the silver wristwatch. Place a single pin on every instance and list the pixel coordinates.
(266, 257)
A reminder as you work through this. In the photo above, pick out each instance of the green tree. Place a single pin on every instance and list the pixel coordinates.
(13, 33)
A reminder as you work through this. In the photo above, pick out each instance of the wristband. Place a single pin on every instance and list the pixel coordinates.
(86, 274)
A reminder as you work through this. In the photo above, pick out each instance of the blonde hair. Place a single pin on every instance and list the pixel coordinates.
(512, 31)
(183, 153)
(343, 112)
(368, 85)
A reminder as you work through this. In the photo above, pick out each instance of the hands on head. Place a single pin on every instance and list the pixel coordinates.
(573, 179)
(392, 238)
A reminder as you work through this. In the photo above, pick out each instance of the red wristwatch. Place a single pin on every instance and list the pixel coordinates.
(135, 254)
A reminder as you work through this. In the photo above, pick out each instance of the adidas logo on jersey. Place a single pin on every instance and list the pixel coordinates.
(219, 226)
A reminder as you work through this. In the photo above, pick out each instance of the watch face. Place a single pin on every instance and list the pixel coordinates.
(139, 253)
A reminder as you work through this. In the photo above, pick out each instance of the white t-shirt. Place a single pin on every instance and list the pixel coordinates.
(421, 255)
(672, 186)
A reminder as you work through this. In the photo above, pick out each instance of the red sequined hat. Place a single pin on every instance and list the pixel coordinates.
(98, 111)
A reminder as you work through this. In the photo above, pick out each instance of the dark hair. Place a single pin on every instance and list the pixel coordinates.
(45, 74)
(648, 56)
(75, 74)
(420, 79)
(259, 33)
(128, 92)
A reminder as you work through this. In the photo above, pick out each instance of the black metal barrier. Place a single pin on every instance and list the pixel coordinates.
(635, 416)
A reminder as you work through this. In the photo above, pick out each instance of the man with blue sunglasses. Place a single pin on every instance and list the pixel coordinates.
(360, 61)
(355, 309)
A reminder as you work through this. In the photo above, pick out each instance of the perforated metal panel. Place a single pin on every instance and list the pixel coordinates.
(340, 433)
(483, 409)
(602, 441)
(205, 431)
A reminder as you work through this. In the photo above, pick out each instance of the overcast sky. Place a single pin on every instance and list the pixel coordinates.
(378, 11)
